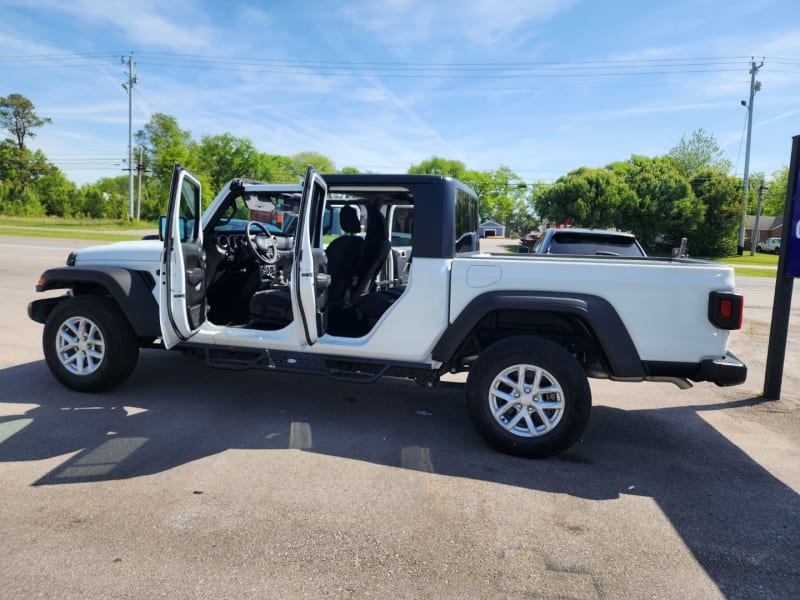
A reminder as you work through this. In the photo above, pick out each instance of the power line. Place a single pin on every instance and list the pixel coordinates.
(407, 69)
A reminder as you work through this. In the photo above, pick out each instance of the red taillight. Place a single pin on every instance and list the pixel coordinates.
(725, 309)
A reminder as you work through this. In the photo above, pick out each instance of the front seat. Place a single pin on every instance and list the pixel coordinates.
(273, 307)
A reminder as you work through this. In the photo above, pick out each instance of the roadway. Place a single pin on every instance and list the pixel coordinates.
(193, 482)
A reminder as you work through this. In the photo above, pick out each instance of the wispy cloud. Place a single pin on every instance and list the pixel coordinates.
(143, 23)
(483, 22)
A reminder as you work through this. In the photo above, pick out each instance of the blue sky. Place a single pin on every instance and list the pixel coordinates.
(542, 87)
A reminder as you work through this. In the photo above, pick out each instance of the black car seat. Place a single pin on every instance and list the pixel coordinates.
(274, 306)
(373, 256)
(343, 255)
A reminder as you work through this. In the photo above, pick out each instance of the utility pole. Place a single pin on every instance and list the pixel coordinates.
(128, 87)
(139, 170)
(754, 87)
(754, 239)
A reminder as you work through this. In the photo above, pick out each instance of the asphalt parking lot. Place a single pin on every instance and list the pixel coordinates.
(188, 482)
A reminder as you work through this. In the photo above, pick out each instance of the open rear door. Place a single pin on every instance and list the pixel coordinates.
(310, 280)
(182, 281)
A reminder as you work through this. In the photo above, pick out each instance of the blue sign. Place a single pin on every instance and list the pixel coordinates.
(793, 239)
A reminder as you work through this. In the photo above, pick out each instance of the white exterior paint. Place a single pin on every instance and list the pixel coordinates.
(662, 304)
(650, 297)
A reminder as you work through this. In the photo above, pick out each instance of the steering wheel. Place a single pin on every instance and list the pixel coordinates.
(264, 248)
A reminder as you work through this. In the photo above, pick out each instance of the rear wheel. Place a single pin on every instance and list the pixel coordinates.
(529, 397)
(88, 344)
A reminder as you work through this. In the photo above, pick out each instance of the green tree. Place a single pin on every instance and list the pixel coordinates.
(274, 168)
(774, 199)
(700, 152)
(437, 165)
(720, 195)
(18, 117)
(320, 162)
(665, 204)
(588, 198)
(20, 169)
(164, 144)
(503, 197)
(94, 202)
(58, 195)
(223, 157)
(114, 194)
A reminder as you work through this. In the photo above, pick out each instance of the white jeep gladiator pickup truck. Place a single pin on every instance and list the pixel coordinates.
(362, 276)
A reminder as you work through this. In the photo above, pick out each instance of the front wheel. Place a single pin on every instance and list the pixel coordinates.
(88, 344)
(529, 397)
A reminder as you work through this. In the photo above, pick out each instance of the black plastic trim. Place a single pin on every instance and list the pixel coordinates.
(724, 371)
(361, 370)
(131, 290)
(38, 310)
(598, 315)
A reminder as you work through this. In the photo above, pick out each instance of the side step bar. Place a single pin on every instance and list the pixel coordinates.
(310, 364)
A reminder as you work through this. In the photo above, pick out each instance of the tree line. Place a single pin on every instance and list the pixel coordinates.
(685, 193)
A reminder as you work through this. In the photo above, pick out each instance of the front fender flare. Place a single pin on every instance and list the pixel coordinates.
(132, 291)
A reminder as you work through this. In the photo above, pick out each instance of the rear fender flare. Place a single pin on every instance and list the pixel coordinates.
(597, 313)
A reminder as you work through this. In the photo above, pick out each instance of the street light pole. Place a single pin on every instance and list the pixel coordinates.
(754, 87)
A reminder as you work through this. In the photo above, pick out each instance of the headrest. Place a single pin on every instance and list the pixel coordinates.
(348, 219)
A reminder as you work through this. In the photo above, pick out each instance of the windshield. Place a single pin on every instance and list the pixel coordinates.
(277, 211)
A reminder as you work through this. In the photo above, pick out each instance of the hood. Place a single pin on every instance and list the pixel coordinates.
(138, 254)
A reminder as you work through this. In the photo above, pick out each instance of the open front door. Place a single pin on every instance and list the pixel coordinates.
(310, 280)
(182, 281)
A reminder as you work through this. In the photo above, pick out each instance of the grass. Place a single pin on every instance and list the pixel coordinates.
(108, 230)
(67, 234)
(751, 266)
(763, 260)
(76, 223)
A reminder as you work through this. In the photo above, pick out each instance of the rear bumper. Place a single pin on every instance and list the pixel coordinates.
(724, 371)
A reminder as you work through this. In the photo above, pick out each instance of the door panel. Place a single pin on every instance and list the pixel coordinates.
(309, 278)
(182, 284)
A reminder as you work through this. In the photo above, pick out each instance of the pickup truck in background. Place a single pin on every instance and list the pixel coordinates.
(356, 277)
(588, 242)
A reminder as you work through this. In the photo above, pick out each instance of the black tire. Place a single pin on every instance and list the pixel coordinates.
(758, 249)
(106, 348)
(554, 421)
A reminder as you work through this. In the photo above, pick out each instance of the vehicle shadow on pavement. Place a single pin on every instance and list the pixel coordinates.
(740, 522)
